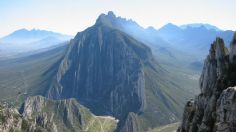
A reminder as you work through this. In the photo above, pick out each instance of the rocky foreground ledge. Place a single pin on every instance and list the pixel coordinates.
(44, 115)
(214, 109)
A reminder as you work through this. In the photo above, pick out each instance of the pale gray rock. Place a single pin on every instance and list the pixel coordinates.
(63, 116)
(214, 108)
(226, 111)
(11, 120)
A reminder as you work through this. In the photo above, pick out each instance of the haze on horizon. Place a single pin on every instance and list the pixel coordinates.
(71, 16)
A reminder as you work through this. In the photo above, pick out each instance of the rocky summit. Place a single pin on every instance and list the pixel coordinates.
(214, 108)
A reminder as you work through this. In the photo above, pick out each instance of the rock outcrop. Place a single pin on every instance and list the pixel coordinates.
(63, 115)
(213, 109)
(131, 124)
(39, 114)
(11, 120)
(226, 111)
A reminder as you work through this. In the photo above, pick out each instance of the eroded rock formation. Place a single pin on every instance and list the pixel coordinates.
(39, 114)
(63, 115)
(213, 109)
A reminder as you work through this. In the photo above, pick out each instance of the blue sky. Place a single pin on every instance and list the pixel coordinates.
(71, 16)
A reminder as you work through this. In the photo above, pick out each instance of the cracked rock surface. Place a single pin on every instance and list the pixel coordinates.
(214, 109)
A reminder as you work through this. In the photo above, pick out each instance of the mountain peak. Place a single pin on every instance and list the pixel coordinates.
(111, 14)
(28, 36)
(111, 20)
(22, 30)
(169, 26)
(151, 28)
(198, 25)
(106, 19)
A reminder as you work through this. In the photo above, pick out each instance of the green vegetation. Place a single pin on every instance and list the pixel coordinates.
(2, 118)
(24, 125)
(11, 129)
(27, 75)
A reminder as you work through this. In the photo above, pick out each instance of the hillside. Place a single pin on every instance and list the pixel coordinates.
(28, 75)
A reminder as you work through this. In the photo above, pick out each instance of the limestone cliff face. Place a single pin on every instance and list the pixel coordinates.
(103, 68)
(213, 108)
(131, 124)
(226, 111)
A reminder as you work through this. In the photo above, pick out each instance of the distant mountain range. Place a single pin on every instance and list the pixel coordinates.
(25, 41)
(29, 36)
(197, 25)
(193, 38)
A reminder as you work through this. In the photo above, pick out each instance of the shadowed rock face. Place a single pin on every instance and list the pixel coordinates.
(213, 108)
(103, 68)
(233, 50)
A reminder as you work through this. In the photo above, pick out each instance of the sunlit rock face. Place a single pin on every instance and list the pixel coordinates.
(212, 110)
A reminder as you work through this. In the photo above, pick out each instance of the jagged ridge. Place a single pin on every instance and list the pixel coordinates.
(213, 109)
(63, 115)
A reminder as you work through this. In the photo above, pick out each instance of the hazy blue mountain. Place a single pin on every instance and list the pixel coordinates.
(163, 50)
(133, 29)
(29, 36)
(195, 39)
(24, 41)
(196, 25)
(188, 40)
